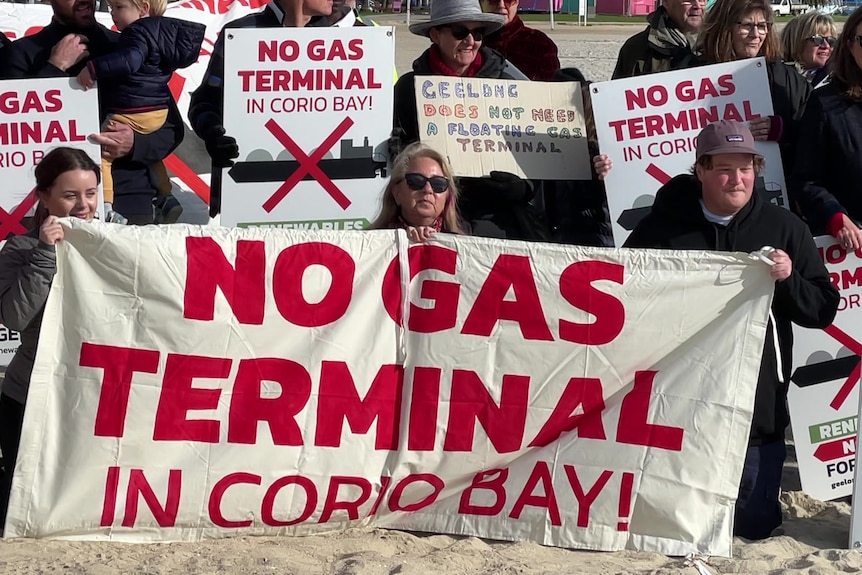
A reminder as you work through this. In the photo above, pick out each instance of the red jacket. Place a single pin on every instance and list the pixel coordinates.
(528, 49)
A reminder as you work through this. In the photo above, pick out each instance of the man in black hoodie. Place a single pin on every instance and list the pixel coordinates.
(62, 48)
(715, 209)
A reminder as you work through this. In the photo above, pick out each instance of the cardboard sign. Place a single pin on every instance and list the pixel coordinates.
(824, 392)
(531, 129)
(648, 125)
(35, 117)
(312, 114)
(272, 382)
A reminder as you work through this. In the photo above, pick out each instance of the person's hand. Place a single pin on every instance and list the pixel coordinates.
(602, 164)
(85, 79)
(783, 266)
(221, 147)
(71, 49)
(420, 234)
(116, 141)
(51, 231)
(760, 128)
(850, 236)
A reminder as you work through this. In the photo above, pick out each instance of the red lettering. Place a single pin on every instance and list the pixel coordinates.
(109, 505)
(248, 407)
(218, 491)
(443, 314)
(385, 481)
(577, 289)
(338, 399)
(178, 397)
(436, 487)
(422, 430)
(509, 273)
(585, 392)
(268, 506)
(471, 401)
(244, 287)
(138, 485)
(585, 500)
(119, 365)
(542, 474)
(352, 507)
(633, 427)
(489, 480)
(287, 275)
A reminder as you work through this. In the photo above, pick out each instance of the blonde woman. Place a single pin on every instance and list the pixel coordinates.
(808, 42)
(421, 195)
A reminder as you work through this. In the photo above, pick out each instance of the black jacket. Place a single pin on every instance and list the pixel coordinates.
(135, 75)
(806, 298)
(134, 186)
(827, 174)
(790, 91)
(660, 47)
(207, 101)
(4, 41)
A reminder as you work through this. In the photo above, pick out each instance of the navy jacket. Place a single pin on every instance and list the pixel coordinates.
(4, 41)
(806, 298)
(149, 51)
(134, 189)
(827, 174)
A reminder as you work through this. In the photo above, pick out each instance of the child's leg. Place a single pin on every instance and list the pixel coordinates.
(107, 181)
(147, 123)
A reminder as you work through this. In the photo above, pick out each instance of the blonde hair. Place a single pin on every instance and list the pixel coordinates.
(715, 43)
(400, 165)
(157, 7)
(800, 29)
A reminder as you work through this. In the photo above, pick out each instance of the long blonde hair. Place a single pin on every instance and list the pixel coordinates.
(400, 165)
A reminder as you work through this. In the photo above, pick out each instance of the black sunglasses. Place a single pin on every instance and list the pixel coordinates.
(417, 182)
(818, 40)
(459, 32)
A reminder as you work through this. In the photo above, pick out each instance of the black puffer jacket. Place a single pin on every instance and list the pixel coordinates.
(135, 75)
(496, 206)
(790, 91)
(806, 298)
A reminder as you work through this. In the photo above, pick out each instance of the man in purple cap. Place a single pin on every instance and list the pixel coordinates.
(715, 208)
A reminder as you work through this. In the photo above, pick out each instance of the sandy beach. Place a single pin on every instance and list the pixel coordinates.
(812, 541)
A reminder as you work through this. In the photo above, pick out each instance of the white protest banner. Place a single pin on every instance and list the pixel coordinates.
(19, 20)
(311, 111)
(531, 129)
(824, 391)
(648, 125)
(258, 383)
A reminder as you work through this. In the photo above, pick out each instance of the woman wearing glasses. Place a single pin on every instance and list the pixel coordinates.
(421, 196)
(497, 205)
(808, 42)
(826, 183)
(739, 29)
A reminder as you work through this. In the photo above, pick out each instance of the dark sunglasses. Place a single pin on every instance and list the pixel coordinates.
(507, 3)
(417, 182)
(818, 40)
(459, 32)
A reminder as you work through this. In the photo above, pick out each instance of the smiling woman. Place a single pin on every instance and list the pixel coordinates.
(740, 29)
(67, 183)
(808, 41)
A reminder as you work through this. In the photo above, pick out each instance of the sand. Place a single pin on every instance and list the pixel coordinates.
(813, 539)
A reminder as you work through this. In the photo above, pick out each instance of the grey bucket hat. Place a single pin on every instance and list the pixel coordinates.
(456, 11)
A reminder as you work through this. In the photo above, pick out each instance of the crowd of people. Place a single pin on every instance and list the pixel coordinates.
(815, 80)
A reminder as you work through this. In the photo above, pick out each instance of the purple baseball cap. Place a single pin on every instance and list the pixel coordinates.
(725, 137)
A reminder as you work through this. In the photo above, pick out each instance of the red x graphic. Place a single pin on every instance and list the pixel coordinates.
(10, 223)
(658, 174)
(855, 347)
(307, 164)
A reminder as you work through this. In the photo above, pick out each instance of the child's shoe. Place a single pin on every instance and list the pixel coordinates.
(168, 209)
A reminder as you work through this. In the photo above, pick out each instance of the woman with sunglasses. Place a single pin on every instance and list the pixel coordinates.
(739, 29)
(826, 182)
(421, 196)
(808, 41)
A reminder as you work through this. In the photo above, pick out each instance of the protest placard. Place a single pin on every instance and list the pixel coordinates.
(311, 110)
(260, 382)
(824, 388)
(531, 129)
(648, 125)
